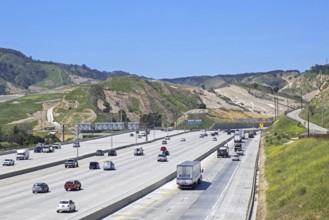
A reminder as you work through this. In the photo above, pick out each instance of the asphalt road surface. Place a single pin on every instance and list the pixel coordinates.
(314, 129)
(132, 174)
(223, 194)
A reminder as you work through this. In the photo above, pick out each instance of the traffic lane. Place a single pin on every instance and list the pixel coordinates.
(68, 151)
(112, 185)
(168, 202)
(236, 201)
(125, 157)
(125, 154)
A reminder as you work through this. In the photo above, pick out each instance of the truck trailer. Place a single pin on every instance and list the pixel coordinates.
(189, 174)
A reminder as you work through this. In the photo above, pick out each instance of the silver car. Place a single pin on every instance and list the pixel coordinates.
(66, 206)
(108, 165)
(8, 162)
(56, 145)
(40, 187)
(162, 158)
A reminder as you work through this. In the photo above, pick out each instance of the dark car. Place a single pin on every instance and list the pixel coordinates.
(112, 152)
(38, 149)
(40, 187)
(72, 185)
(165, 152)
(94, 165)
(99, 153)
(164, 142)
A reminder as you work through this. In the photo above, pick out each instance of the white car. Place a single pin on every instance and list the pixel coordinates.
(56, 145)
(8, 162)
(108, 165)
(162, 158)
(214, 139)
(66, 206)
(167, 138)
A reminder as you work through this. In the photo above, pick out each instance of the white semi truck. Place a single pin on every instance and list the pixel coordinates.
(189, 174)
(22, 154)
(238, 139)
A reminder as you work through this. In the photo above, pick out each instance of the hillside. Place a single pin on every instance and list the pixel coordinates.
(289, 83)
(20, 74)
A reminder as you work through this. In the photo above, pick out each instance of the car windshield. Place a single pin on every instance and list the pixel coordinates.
(64, 202)
(38, 184)
(7, 159)
(69, 182)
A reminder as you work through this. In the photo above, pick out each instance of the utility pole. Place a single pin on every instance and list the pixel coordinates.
(274, 109)
(308, 120)
(63, 131)
(277, 106)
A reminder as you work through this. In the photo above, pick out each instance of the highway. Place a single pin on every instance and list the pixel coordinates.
(223, 194)
(99, 188)
(314, 129)
(67, 151)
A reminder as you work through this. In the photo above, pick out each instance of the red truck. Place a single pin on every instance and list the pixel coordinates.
(72, 185)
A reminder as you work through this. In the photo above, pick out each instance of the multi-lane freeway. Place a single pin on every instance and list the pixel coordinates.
(99, 188)
(224, 193)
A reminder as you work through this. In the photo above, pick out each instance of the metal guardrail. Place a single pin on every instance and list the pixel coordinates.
(252, 195)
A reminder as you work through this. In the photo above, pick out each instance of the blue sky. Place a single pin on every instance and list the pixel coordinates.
(170, 38)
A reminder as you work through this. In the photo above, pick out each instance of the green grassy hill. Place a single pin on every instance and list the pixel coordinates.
(296, 173)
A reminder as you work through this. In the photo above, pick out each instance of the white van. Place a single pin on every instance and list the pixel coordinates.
(22, 154)
(138, 151)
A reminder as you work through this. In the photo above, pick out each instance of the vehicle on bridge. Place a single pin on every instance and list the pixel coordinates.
(189, 174)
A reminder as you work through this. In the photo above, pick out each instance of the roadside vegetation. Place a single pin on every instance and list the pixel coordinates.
(296, 173)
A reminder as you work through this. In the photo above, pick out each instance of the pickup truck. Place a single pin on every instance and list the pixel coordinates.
(72, 185)
(71, 163)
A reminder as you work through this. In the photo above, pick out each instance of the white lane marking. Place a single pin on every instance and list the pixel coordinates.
(220, 198)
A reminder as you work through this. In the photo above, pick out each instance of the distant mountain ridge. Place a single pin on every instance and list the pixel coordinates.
(22, 72)
(271, 79)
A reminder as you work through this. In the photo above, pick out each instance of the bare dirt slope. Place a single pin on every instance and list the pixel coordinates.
(252, 100)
